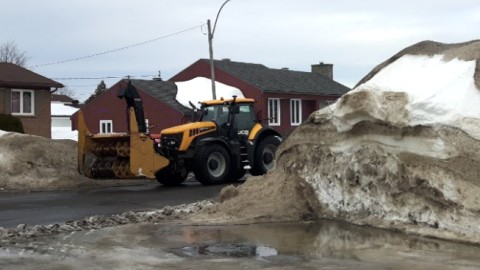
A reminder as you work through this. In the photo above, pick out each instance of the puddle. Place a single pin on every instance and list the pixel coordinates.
(322, 245)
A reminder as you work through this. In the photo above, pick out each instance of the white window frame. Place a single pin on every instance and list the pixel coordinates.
(274, 115)
(295, 111)
(107, 123)
(21, 91)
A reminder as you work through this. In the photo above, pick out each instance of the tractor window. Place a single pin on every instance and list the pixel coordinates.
(218, 114)
(246, 118)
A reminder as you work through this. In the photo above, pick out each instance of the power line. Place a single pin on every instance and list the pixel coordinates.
(101, 78)
(118, 49)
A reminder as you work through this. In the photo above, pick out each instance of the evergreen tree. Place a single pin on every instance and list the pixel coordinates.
(101, 88)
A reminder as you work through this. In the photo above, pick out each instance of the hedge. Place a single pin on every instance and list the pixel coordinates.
(11, 123)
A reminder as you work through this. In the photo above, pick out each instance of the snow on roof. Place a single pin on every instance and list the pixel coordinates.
(200, 89)
(59, 109)
(439, 91)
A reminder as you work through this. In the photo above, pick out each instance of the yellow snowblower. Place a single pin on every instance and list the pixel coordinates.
(225, 141)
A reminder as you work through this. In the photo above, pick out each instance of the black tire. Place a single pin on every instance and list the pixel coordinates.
(167, 178)
(236, 174)
(265, 155)
(211, 164)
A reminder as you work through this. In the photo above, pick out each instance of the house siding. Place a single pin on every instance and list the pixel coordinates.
(3, 101)
(40, 123)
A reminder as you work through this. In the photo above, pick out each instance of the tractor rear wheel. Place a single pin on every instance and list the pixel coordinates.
(211, 164)
(265, 156)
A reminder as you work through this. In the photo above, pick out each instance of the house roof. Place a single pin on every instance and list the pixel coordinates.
(62, 98)
(164, 91)
(281, 80)
(12, 75)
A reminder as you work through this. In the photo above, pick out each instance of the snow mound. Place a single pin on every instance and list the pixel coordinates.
(418, 90)
(400, 151)
(200, 89)
(34, 163)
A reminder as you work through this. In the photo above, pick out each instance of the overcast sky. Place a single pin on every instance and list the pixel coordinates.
(353, 35)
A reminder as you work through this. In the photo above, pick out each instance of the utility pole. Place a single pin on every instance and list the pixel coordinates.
(210, 48)
(212, 68)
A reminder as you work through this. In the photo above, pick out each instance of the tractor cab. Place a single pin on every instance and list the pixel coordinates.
(234, 117)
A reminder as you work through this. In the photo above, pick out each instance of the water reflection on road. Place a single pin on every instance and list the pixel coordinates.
(322, 245)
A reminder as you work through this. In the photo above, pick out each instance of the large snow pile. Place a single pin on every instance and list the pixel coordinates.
(200, 89)
(29, 162)
(399, 151)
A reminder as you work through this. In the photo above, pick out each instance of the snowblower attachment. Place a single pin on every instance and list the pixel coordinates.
(119, 155)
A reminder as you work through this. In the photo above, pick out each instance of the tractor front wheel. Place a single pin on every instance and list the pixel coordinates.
(211, 164)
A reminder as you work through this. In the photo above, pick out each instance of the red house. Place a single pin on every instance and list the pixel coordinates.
(284, 97)
(108, 114)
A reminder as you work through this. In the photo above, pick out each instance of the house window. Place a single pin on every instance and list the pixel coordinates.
(295, 112)
(23, 102)
(274, 111)
(106, 126)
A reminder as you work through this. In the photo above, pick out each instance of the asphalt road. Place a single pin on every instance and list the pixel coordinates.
(42, 208)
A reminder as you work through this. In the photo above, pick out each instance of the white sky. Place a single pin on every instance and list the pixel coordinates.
(353, 35)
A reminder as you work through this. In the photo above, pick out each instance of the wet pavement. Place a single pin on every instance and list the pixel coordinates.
(321, 245)
(42, 208)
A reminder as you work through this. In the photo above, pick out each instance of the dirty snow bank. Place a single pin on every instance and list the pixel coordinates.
(400, 151)
(424, 90)
(36, 163)
(25, 231)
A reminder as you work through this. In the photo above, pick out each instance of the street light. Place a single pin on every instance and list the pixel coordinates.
(210, 38)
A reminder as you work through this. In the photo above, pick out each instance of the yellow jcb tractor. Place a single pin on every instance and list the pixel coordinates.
(225, 141)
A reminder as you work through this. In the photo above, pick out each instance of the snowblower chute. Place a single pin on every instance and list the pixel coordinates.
(119, 155)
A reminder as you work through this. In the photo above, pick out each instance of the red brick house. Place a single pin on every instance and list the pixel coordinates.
(107, 113)
(27, 95)
(284, 97)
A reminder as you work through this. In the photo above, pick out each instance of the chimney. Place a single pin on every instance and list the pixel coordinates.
(323, 69)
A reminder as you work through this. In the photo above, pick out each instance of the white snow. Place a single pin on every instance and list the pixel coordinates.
(440, 91)
(60, 133)
(3, 133)
(200, 89)
(60, 109)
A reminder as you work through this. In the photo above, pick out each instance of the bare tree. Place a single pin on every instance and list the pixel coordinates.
(10, 53)
(66, 91)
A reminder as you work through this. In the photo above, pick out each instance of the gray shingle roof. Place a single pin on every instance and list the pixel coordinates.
(164, 91)
(281, 80)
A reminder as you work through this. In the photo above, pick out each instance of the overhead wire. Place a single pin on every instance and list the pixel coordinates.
(102, 78)
(118, 49)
